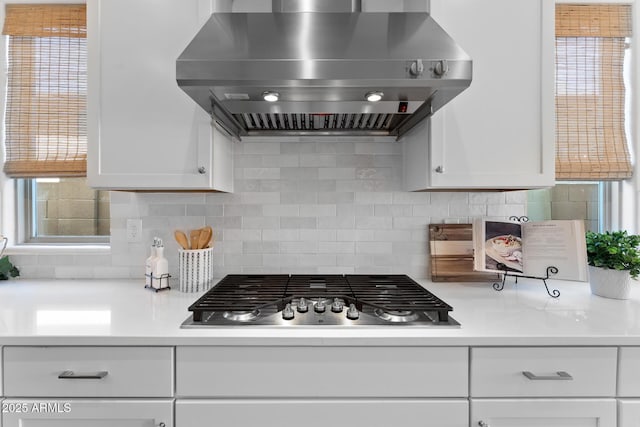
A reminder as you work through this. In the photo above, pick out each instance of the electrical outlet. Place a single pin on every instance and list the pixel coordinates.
(134, 230)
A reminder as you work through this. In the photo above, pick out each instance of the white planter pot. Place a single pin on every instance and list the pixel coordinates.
(610, 283)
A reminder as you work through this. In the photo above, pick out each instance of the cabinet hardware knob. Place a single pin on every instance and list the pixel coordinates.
(70, 375)
(162, 425)
(559, 376)
(483, 424)
(439, 169)
(202, 170)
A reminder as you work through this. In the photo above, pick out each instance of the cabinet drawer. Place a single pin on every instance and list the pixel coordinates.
(87, 413)
(537, 372)
(89, 371)
(321, 371)
(629, 372)
(320, 413)
(543, 412)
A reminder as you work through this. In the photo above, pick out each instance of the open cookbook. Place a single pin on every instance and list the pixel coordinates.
(528, 248)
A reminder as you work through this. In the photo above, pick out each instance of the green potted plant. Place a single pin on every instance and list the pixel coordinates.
(614, 259)
(7, 269)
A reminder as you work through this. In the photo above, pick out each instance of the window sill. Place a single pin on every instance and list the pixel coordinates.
(57, 249)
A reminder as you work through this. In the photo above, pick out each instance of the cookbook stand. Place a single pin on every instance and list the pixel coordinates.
(551, 270)
(498, 286)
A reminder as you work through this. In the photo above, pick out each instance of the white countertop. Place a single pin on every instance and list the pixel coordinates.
(123, 312)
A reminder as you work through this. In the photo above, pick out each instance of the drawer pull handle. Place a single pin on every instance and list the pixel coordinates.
(70, 375)
(482, 424)
(560, 376)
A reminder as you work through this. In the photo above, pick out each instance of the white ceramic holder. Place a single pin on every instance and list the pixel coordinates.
(195, 268)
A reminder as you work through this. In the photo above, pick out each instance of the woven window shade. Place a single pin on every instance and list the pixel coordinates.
(46, 112)
(591, 143)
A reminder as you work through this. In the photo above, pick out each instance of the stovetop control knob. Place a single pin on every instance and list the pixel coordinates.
(352, 312)
(320, 307)
(287, 312)
(303, 307)
(337, 305)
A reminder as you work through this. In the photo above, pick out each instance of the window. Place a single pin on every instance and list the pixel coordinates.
(592, 92)
(45, 124)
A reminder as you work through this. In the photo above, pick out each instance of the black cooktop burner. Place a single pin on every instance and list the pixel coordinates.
(329, 300)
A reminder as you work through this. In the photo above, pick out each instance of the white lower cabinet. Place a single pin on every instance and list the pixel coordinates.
(323, 412)
(629, 413)
(543, 413)
(87, 413)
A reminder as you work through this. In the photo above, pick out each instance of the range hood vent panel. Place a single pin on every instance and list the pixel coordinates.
(322, 63)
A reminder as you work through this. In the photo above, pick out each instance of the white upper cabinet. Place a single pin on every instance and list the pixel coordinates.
(499, 133)
(145, 133)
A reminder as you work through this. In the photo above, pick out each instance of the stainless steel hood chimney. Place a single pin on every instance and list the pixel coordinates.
(322, 67)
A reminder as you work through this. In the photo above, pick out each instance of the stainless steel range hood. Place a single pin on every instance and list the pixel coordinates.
(320, 60)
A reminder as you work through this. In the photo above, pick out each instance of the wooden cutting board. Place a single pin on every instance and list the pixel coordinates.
(451, 247)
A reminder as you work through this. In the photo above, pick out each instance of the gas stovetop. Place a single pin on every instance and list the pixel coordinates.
(318, 300)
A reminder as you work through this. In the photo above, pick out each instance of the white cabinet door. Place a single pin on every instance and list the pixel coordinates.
(629, 413)
(322, 413)
(144, 131)
(543, 412)
(498, 133)
(87, 413)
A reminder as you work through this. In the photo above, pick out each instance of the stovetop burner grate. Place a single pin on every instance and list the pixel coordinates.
(386, 293)
(237, 292)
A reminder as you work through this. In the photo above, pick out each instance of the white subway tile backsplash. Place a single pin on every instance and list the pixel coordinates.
(374, 223)
(319, 235)
(262, 173)
(299, 173)
(281, 210)
(300, 206)
(261, 247)
(393, 210)
(463, 209)
(336, 222)
(295, 197)
(298, 222)
(337, 173)
(281, 161)
(374, 198)
(352, 235)
(242, 260)
(281, 235)
(242, 235)
(487, 198)
(318, 160)
(318, 210)
(374, 247)
(335, 197)
(260, 222)
(318, 260)
(258, 147)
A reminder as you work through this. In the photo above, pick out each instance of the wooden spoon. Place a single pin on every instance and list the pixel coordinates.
(193, 238)
(181, 238)
(205, 236)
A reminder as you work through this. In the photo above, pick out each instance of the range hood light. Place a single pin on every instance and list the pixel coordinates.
(270, 96)
(374, 96)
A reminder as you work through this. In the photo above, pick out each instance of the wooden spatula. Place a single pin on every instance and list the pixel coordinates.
(194, 236)
(205, 237)
(181, 238)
